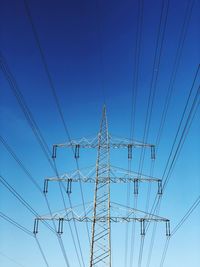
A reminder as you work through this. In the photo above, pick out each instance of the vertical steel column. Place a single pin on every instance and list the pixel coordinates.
(101, 238)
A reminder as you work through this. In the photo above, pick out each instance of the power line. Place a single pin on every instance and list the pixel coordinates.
(173, 76)
(187, 126)
(153, 235)
(178, 226)
(25, 230)
(151, 97)
(35, 183)
(181, 41)
(25, 109)
(165, 251)
(18, 196)
(183, 117)
(32, 123)
(65, 207)
(141, 250)
(53, 89)
(176, 64)
(137, 55)
(51, 83)
(11, 259)
(16, 224)
(41, 251)
(20, 163)
(22, 200)
(188, 117)
(128, 204)
(185, 129)
(186, 216)
(132, 248)
(155, 73)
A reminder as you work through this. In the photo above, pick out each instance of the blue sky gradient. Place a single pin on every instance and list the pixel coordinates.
(89, 47)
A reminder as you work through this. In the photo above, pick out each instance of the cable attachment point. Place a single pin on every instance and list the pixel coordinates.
(142, 224)
(35, 229)
(69, 186)
(168, 232)
(130, 149)
(60, 226)
(77, 149)
(54, 151)
(46, 182)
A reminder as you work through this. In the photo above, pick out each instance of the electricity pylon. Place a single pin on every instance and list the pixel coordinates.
(100, 215)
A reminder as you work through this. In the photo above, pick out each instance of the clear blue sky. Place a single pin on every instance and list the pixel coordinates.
(88, 46)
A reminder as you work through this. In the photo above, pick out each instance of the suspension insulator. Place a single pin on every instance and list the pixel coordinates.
(60, 226)
(130, 149)
(142, 225)
(168, 232)
(54, 151)
(35, 229)
(77, 149)
(46, 182)
(153, 153)
(69, 186)
(160, 190)
(135, 186)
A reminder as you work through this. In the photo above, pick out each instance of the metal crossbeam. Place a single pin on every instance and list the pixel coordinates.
(69, 180)
(118, 214)
(103, 219)
(117, 175)
(114, 142)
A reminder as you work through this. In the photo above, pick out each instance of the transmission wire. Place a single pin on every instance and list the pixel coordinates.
(181, 41)
(189, 120)
(185, 130)
(21, 200)
(137, 55)
(25, 230)
(153, 235)
(31, 122)
(10, 259)
(127, 204)
(74, 222)
(35, 183)
(186, 216)
(179, 147)
(41, 251)
(152, 92)
(165, 251)
(154, 77)
(16, 224)
(141, 250)
(53, 89)
(179, 225)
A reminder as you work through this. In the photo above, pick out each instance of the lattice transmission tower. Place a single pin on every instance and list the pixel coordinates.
(104, 212)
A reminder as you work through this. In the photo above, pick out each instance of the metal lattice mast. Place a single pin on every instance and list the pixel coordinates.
(101, 240)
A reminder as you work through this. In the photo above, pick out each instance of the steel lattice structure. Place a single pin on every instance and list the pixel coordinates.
(101, 240)
(103, 212)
